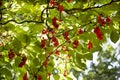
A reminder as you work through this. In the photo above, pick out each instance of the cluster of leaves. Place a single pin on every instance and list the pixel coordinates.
(44, 39)
(107, 67)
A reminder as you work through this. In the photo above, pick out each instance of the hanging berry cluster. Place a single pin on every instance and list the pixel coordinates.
(101, 21)
(11, 54)
(22, 63)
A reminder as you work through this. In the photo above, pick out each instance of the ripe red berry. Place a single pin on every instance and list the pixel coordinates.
(46, 63)
(75, 43)
(57, 52)
(52, 32)
(89, 45)
(43, 42)
(23, 62)
(80, 31)
(11, 54)
(108, 20)
(44, 31)
(60, 8)
(65, 73)
(39, 77)
(25, 76)
(98, 33)
(100, 20)
(49, 74)
(54, 22)
(53, 3)
(65, 35)
(55, 41)
(24, 59)
(68, 1)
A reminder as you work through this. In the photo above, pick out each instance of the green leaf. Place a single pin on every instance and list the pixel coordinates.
(36, 61)
(79, 62)
(114, 36)
(24, 38)
(68, 78)
(56, 77)
(6, 72)
(16, 45)
(88, 56)
(9, 26)
(17, 61)
(68, 5)
(36, 28)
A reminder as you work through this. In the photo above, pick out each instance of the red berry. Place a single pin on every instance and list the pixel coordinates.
(98, 33)
(43, 42)
(39, 77)
(52, 32)
(54, 22)
(108, 20)
(45, 31)
(80, 31)
(11, 54)
(24, 59)
(68, 1)
(53, 3)
(55, 41)
(75, 43)
(23, 62)
(65, 73)
(65, 35)
(89, 45)
(57, 52)
(49, 74)
(60, 8)
(25, 76)
(100, 20)
(46, 63)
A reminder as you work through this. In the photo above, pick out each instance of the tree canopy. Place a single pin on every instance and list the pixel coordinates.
(53, 39)
(106, 66)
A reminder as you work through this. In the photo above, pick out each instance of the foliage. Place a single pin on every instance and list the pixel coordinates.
(107, 67)
(45, 39)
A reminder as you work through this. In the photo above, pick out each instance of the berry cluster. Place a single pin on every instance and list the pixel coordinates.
(102, 21)
(25, 76)
(11, 54)
(98, 33)
(55, 41)
(65, 35)
(54, 22)
(43, 42)
(22, 63)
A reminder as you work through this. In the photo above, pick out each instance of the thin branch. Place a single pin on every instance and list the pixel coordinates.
(49, 56)
(25, 21)
(90, 8)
